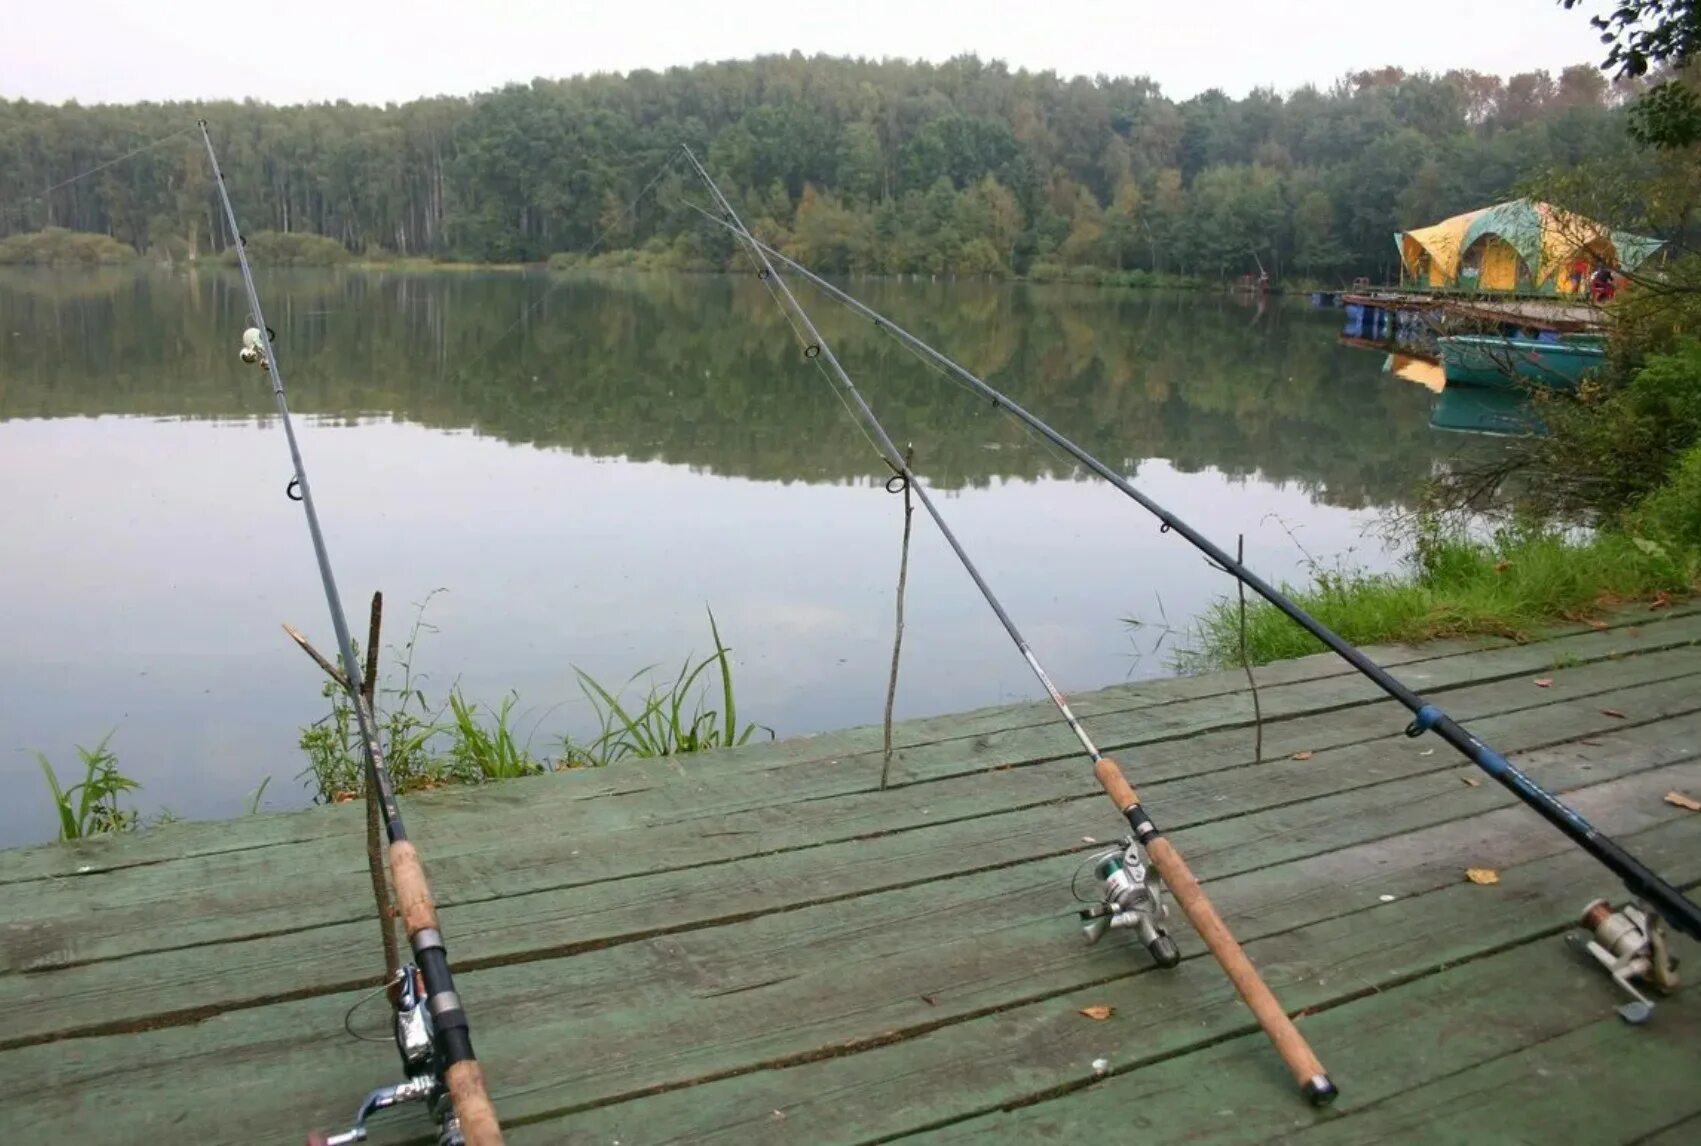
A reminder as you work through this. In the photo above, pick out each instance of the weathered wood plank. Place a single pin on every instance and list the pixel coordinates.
(1455, 1056)
(608, 1023)
(141, 909)
(178, 841)
(1604, 1083)
(1158, 1091)
(1685, 1132)
(1232, 836)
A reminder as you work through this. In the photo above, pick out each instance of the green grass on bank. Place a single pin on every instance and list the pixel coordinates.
(1510, 586)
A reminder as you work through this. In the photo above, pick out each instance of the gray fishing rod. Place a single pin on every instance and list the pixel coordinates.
(1642, 882)
(1134, 898)
(431, 1028)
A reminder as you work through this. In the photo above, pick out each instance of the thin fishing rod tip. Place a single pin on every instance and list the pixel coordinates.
(1320, 1091)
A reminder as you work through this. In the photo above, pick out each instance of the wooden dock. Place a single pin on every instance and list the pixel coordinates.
(1531, 314)
(759, 946)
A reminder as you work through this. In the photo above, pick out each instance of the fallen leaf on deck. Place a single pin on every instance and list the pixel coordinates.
(1482, 875)
(1471, 780)
(1633, 631)
(930, 1000)
(1544, 682)
(779, 1116)
(1598, 626)
(1303, 755)
(1663, 601)
(1098, 1014)
(1088, 840)
(1427, 752)
(1680, 800)
(1613, 712)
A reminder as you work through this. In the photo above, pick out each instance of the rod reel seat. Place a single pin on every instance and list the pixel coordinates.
(416, 1043)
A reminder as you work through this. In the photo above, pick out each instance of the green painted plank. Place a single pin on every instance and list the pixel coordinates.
(192, 839)
(1605, 1083)
(183, 983)
(785, 987)
(1462, 1055)
(1685, 1132)
(519, 848)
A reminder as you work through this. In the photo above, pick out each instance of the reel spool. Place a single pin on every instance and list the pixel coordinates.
(1631, 945)
(1130, 896)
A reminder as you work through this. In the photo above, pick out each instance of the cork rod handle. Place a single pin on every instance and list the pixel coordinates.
(1301, 1060)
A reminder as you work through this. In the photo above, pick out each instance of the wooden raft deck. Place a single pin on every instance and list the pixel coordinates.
(1535, 313)
(760, 947)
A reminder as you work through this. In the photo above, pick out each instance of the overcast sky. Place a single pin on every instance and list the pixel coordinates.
(391, 50)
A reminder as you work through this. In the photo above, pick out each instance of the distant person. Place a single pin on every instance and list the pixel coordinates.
(1603, 286)
(1579, 271)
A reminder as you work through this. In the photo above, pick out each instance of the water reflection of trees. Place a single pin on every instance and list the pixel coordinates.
(704, 371)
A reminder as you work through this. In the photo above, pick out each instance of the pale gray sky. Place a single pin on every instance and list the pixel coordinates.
(384, 50)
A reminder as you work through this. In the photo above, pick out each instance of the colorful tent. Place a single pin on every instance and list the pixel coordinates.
(1517, 245)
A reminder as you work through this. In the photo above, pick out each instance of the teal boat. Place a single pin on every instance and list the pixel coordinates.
(1486, 410)
(1486, 360)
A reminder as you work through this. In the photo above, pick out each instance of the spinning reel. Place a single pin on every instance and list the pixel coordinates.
(254, 348)
(1131, 896)
(1631, 944)
(416, 1041)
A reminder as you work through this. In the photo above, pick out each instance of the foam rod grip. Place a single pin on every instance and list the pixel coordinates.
(472, 1105)
(1307, 1069)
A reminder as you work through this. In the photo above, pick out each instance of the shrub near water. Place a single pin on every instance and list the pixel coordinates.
(58, 247)
(291, 249)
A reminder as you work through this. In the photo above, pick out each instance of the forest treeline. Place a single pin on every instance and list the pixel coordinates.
(852, 165)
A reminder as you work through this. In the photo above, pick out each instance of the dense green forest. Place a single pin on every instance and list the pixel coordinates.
(964, 167)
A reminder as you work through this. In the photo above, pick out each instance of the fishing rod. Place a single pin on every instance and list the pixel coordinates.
(1134, 899)
(1643, 883)
(431, 1029)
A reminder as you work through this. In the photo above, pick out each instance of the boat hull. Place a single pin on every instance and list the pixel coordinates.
(1504, 363)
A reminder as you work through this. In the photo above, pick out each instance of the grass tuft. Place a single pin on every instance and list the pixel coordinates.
(90, 808)
(659, 725)
(1518, 581)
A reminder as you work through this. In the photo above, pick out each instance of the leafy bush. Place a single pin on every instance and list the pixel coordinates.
(1611, 446)
(1672, 513)
(58, 247)
(290, 249)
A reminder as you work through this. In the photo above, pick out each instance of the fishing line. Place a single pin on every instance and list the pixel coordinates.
(432, 1033)
(1063, 460)
(1642, 882)
(19, 206)
(1132, 897)
(631, 209)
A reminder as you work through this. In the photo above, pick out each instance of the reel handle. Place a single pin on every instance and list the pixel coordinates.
(1301, 1060)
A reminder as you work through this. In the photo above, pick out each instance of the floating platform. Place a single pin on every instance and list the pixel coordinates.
(760, 947)
(1511, 314)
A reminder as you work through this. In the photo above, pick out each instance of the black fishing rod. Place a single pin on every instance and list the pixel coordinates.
(1132, 899)
(430, 1025)
(1644, 883)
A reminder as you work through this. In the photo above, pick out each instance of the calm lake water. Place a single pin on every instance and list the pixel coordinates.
(585, 478)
